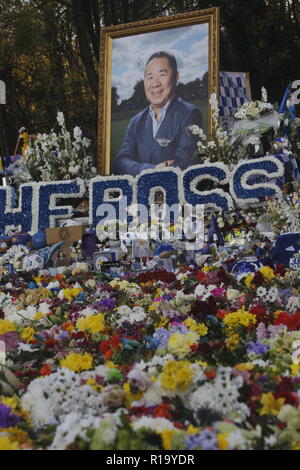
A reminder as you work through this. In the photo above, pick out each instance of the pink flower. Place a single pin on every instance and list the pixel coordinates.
(219, 291)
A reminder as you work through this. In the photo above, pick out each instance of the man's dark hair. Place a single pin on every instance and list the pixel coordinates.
(170, 57)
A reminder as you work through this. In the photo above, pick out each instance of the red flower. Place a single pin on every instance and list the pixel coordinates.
(78, 335)
(221, 313)
(104, 346)
(210, 373)
(279, 270)
(163, 411)
(291, 398)
(115, 341)
(50, 343)
(291, 321)
(260, 312)
(205, 308)
(159, 275)
(201, 276)
(282, 425)
(108, 354)
(45, 370)
(258, 279)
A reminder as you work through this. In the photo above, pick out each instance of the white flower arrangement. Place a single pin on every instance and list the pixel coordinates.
(253, 119)
(57, 156)
(255, 109)
(283, 214)
(220, 148)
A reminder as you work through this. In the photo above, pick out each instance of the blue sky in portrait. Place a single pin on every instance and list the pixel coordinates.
(189, 44)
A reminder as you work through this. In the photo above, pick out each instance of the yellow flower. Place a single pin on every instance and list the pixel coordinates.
(198, 328)
(271, 404)
(201, 363)
(162, 323)
(248, 280)
(129, 396)
(77, 362)
(278, 312)
(232, 341)
(25, 141)
(39, 315)
(241, 317)
(245, 366)
(27, 334)
(180, 344)
(296, 445)
(167, 435)
(94, 323)
(267, 272)
(176, 375)
(111, 365)
(206, 269)
(222, 441)
(71, 293)
(13, 402)
(192, 429)
(295, 369)
(92, 383)
(6, 444)
(17, 436)
(6, 326)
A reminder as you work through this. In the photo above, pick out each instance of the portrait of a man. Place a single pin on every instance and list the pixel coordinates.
(159, 135)
(156, 82)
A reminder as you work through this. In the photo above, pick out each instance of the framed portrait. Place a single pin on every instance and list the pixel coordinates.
(156, 78)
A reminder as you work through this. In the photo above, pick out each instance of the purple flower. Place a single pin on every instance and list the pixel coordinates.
(169, 313)
(167, 297)
(205, 440)
(275, 329)
(257, 348)
(7, 418)
(105, 305)
(162, 337)
(11, 340)
(62, 335)
(261, 331)
(179, 328)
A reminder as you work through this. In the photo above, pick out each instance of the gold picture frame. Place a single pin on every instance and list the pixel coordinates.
(207, 18)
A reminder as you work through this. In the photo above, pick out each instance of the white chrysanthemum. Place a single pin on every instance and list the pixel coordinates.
(74, 425)
(124, 310)
(237, 441)
(200, 290)
(50, 398)
(154, 424)
(88, 312)
(261, 292)
(220, 394)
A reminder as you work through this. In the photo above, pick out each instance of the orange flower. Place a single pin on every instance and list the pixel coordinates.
(45, 370)
(67, 326)
(163, 411)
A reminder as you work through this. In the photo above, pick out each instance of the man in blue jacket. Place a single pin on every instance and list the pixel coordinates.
(159, 135)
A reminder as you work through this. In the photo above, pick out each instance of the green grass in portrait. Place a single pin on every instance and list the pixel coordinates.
(120, 122)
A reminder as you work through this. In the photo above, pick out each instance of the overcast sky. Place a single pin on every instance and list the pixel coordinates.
(189, 45)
